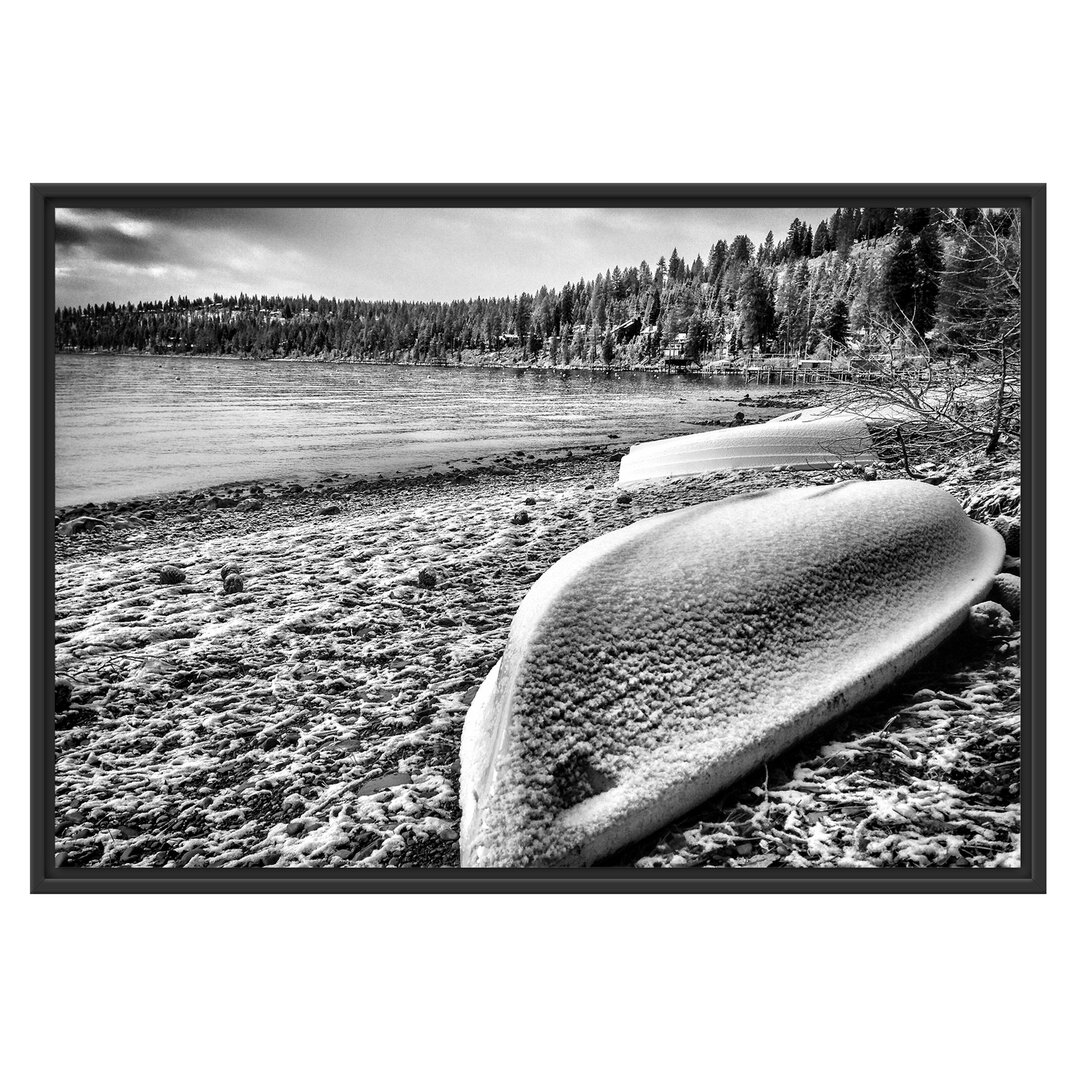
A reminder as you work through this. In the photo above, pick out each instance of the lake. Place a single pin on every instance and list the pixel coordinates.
(129, 426)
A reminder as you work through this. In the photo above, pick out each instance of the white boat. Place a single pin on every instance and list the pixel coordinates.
(809, 439)
(655, 665)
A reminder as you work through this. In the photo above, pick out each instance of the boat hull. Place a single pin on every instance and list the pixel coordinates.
(655, 665)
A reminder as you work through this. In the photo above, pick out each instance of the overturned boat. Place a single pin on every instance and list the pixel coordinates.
(655, 665)
(809, 439)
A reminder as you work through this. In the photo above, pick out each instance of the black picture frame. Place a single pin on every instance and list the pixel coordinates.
(1030, 877)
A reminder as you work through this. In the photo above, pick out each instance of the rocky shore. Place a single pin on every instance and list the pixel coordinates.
(276, 675)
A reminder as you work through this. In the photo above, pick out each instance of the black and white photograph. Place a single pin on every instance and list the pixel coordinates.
(597, 538)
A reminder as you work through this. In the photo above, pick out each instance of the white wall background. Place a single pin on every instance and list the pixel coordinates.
(804, 986)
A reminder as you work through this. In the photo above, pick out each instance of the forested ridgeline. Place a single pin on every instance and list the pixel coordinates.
(860, 278)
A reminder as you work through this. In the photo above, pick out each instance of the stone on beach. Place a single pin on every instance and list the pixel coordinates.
(989, 620)
(1010, 530)
(81, 524)
(171, 575)
(1006, 592)
(233, 584)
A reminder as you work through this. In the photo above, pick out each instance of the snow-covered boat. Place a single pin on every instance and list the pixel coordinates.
(655, 665)
(810, 439)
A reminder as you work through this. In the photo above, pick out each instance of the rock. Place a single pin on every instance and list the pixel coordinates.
(1006, 592)
(229, 568)
(1010, 566)
(1010, 530)
(869, 472)
(624, 499)
(530, 501)
(520, 518)
(171, 575)
(249, 505)
(82, 524)
(329, 509)
(989, 620)
(62, 694)
(384, 782)
(234, 583)
(427, 579)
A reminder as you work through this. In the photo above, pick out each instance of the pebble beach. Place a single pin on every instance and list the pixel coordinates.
(276, 675)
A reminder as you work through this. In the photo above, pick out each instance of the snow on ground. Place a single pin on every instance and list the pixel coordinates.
(314, 719)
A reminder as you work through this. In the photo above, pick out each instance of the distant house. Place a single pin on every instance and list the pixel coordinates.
(676, 349)
(627, 330)
(812, 363)
(827, 367)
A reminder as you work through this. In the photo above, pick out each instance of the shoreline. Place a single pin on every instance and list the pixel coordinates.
(765, 408)
(313, 718)
(472, 363)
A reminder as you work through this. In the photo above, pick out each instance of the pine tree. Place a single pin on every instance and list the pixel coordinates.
(836, 328)
(756, 312)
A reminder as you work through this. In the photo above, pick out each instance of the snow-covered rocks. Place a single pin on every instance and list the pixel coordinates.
(1006, 592)
(989, 620)
(656, 664)
(1010, 530)
(809, 439)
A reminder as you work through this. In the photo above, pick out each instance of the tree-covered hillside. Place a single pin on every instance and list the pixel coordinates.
(858, 278)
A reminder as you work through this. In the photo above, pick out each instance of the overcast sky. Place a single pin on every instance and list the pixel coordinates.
(405, 254)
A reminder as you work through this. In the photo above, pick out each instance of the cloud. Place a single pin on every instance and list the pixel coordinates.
(443, 253)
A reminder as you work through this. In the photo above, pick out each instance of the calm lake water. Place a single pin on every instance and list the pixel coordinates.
(129, 426)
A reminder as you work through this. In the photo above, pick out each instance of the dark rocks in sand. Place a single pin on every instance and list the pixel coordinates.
(624, 499)
(81, 524)
(62, 694)
(530, 501)
(989, 620)
(171, 575)
(227, 569)
(427, 579)
(234, 583)
(248, 505)
(384, 782)
(214, 502)
(329, 509)
(520, 518)
(1010, 531)
(1006, 592)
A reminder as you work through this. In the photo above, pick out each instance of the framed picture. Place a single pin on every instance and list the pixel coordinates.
(538, 538)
